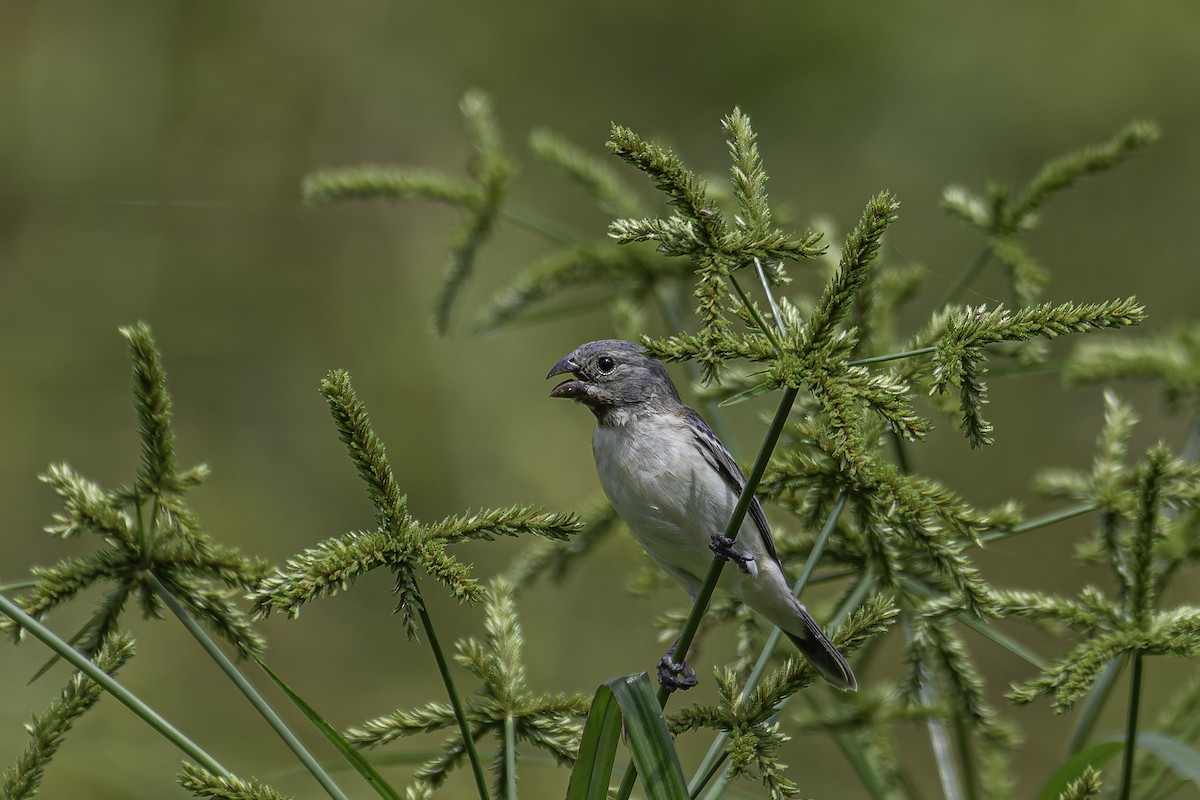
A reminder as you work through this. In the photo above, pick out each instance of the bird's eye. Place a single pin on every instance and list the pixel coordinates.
(606, 364)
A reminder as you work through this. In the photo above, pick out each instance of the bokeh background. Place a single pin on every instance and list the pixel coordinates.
(151, 155)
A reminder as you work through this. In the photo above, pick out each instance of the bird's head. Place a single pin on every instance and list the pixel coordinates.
(613, 374)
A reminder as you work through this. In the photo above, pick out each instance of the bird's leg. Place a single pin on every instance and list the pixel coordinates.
(724, 547)
(674, 674)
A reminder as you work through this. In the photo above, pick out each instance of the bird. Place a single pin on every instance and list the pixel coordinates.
(675, 485)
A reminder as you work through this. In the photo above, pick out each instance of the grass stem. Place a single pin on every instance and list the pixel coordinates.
(455, 703)
(1131, 725)
(537, 225)
(1039, 522)
(256, 699)
(1091, 708)
(752, 310)
(110, 685)
(939, 734)
(510, 758)
(920, 351)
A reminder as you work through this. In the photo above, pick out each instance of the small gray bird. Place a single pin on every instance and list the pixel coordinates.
(675, 485)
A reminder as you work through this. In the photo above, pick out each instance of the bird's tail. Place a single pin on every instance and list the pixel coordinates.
(820, 652)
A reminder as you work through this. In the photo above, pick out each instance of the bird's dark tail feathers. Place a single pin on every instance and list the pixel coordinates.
(820, 652)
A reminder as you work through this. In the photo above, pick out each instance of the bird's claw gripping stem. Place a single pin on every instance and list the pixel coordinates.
(724, 547)
(674, 674)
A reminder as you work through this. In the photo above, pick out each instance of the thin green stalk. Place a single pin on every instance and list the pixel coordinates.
(256, 699)
(1159, 770)
(91, 623)
(1008, 643)
(1022, 370)
(700, 605)
(528, 221)
(979, 626)
(939, 735)
(145, 534)
(920, 351)
(1131, 724)
(753, 311)
(966, 756)
(137, 512)
(455, 703)
(716, 752)
(17, 586)
(818, 548)
(1091, 707)
(831, 575)
(707, 771)
(901, 453)
(872, 780)
(510, 757)
(109, 684)
(762, 276)
(968, 276)
(1038, 522)
(939, 739)
(853, 600)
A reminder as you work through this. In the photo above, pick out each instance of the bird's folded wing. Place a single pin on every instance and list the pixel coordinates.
(715, 454)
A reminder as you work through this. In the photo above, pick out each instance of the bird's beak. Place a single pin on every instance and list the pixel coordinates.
(568, 389)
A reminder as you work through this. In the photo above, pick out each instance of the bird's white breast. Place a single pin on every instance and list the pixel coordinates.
(662, 487)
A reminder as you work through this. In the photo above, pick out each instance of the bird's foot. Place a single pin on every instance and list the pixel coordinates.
(724, 547)
(674, 674)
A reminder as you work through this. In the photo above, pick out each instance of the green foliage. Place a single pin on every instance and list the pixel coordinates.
(46, 731)
(400, 543)
(1180, 721)
(601, 181)
(545, 721)
(858, 394)
(146, 529)
(403, 545)
(1170, 361)
(1087, 785)
(601, 268)
(554, 559)
(625, 709)
(1131, 530)
(1006, 217)
(959, 355)
(203, 783)
(352, 757)
(490, 168)
(906, 526)
(871, 719)
(699, 230)
(755, 735)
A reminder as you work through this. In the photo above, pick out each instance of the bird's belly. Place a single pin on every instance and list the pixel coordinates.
(667, 495)
(673, 502)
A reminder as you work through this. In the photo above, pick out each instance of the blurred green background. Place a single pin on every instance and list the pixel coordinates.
(151, 155)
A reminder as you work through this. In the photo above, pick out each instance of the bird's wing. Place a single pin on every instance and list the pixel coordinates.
(718, 456)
